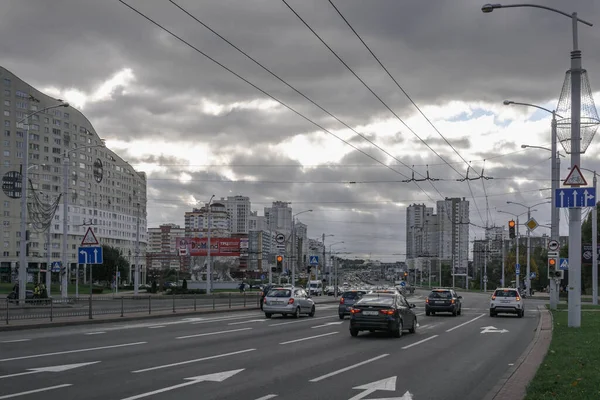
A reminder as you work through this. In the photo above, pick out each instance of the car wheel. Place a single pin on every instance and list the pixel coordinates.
(459, 311)
(521, 313)
(296, 313)
(268, 315)
(492, 313)
(353, 332)
(341, 316)
(312, 312)
(414, 326)
(454, 313)
(398, 332)
(427, 313)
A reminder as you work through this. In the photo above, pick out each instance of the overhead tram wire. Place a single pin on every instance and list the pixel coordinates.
(289, 85)
(266, 93)
(384, 104)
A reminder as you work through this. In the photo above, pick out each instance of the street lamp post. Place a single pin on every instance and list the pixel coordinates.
(574, 317)
(23, 264)
(208, 266)
(594, 243)
(335, 284)
(528, 276)
(294, 262)
(517, 244)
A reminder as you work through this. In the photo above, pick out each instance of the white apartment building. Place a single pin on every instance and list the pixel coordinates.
(256, 222)
(239, 211)
(279, 217)
(162, 250)
(103, 190)
(196, 221)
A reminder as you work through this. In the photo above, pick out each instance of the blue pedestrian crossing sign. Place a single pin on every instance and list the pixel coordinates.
(563, 264)
(55, 266)
(518, 269)
(314, 260)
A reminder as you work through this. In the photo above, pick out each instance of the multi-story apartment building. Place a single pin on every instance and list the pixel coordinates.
(256, 222)
(103, 190)
(162, 251)
(239, 211)
(196, 221)
(421, 231)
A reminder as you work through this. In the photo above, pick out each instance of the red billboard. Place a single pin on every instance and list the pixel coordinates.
(219, 247)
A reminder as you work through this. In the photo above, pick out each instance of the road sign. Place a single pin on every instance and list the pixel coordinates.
(532, 275)
(532, 224)
(262, 277)
(492, 329)
(314, 260)
(280, 238)
(518, 269)
(563, 264)
(118, 274)
(575, 197)
(90, 255)
(55, 266)
(575, 178)
(403, 283)
(89, 239)
(485, 279)
(553, 254)
(553, 245)
(587, 254)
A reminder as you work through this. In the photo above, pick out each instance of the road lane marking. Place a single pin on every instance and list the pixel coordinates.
(221, 319)
(15, 341)
(246, 322)
(303, 320)
(328, 324)
(95, 333)
(465, 323)
(421, 313)
(341, 371)
(192, 361)
(267, 397)
(213, 333)
(10, 396)
(309, 338)
(156, 327)
(419, 342)
(73, 351)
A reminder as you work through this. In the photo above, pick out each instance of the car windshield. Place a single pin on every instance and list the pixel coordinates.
(376, 300)
(280, 293)
(351, 295)
(441, 294)
(314, 284)
(506, 293)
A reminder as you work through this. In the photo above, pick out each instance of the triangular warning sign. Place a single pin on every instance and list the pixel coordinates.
(575, 178)
(89, 238)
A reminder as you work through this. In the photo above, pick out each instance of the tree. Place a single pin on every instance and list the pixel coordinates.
(113, 261)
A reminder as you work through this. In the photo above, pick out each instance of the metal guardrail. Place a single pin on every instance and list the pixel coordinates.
(51, 308)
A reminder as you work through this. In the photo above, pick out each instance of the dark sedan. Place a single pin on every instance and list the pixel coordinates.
(443, 300)
(383, 312)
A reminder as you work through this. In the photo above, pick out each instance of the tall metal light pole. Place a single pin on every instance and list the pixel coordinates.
(293, 260)
(574, 318)
(528, 276)
(23, 264)
(136, 275)
(326, 265)
(208, 266)
(594, 243)
(335, 284)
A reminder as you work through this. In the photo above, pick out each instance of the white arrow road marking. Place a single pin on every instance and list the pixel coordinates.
(303, 320)
(56, 368)
(492, 329)
(245, 322)
(213, 333)
(328, 324)
(340, 371)
(10, 396)
(388, 384)
(267, 397)
(72, 351)
(192, 361)
(218, 377)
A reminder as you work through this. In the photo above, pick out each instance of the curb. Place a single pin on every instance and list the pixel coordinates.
(8, 328)
(513, 385)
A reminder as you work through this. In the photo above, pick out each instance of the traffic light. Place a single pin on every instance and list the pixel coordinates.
(553, 270)
(511, 229)
(279, 260)
(308, 269)
(405, 275)
(273, 269)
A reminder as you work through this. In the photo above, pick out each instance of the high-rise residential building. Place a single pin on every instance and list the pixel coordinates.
(301, 245)
(279, 217)
(421, 231)
(162, 251)
(256, 222)
(453, 236)
(103, 191)
(196, 221)
(239, 211)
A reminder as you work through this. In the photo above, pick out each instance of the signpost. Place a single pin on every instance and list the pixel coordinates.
(575, 197)
(518, 269)
(88, 255)
(314, 260)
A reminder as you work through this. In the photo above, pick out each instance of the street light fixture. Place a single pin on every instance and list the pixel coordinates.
(23, 264)
(576, 72)
(294, 262)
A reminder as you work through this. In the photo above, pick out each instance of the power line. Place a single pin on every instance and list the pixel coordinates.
(263, 91)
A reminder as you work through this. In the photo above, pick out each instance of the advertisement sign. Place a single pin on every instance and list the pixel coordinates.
(219, 247)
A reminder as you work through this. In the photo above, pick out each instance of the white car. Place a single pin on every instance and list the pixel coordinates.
(507, 300)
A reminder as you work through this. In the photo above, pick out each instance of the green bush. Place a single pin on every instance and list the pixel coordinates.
(185, 291)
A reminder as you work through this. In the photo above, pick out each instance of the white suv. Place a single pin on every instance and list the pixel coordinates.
(507, 300)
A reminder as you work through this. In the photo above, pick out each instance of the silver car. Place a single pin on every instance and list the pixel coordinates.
(288, 301)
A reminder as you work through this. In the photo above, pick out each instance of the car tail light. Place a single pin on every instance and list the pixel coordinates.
(342, 300)
(518, 298)
(427, 300)
(291, 301)
(387, 312)
(354, 311)
(265, 300)
(494, 297)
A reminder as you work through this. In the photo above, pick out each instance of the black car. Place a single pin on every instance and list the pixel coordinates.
(383, 312)
(443, 300)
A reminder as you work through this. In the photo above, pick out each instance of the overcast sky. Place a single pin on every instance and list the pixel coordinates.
(197, 130)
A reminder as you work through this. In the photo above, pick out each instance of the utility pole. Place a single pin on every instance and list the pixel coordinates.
(64, 270)
(208, 266)
(517, 265)
(136, 276)
(503, 256)
(595, 247)
(325, 265)
(555, 212)
(270, 266)
(528, 277)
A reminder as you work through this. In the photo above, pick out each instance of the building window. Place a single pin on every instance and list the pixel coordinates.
(56, 122)
(34, 108)
(19, 93)
(7, 113)
(6, 122)
(66, 115)
(7, 92)
(6, 82)
(6, 143)
(6, 133)
(21, 104)
(6, 153)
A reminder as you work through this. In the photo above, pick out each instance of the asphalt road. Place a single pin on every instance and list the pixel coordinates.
(245, 356)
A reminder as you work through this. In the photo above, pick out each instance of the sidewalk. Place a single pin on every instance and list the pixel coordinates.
(514, 383)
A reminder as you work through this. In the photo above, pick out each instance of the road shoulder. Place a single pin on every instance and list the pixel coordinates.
(513, 385)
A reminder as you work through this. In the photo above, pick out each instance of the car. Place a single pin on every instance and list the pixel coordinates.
(347, 300)
(443, 300)
(507, 300)
(264, 290)
(288, 301)
(383, 312)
